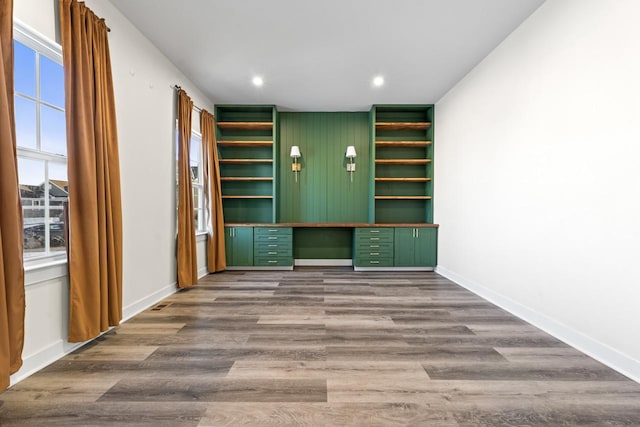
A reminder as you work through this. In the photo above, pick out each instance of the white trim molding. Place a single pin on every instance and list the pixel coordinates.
(32, 363)
(260, 268)
(45, 272)
(150, 300)
(393, 268)
(603, 353)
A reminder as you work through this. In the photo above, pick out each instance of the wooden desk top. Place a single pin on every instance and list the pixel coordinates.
(331, 225)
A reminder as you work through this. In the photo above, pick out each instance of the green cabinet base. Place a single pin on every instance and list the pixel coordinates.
(238, 242)
(415, 247)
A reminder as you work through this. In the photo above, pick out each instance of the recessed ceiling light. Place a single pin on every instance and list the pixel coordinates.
(257, 81)
(378, 81)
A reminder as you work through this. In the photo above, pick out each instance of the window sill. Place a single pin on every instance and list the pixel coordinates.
(201, 236)
(45, 270)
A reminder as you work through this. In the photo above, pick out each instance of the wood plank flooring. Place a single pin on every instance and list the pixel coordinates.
(324, 347)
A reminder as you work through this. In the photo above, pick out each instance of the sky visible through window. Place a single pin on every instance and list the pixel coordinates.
(52, 119)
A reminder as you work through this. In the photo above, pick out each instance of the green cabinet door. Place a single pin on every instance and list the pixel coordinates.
(403, 247)
(415, 247)
(239, 246)
(228, 244)
(425, 247)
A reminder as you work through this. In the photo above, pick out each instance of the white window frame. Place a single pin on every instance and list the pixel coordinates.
(52, 51)
(201, 227)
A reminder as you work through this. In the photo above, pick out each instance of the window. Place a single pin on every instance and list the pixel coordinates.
(197, 179)
(42, 143)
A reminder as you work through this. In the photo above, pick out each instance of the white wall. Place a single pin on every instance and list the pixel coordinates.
(145, 107)
(537, 176)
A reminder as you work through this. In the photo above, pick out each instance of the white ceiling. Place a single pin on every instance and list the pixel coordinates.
(323, 55)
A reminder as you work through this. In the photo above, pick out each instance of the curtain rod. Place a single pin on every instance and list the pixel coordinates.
(198, 109)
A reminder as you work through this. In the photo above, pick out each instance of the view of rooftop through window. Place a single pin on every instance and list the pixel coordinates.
(42, 149)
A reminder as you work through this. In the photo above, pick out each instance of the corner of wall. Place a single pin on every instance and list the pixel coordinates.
(601, 352)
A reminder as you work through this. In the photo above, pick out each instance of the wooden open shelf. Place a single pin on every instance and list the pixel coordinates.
(249, 161)
(402, 143)
(402, 197)
(229, 143)
(246, 178)
(247, 197)
(245, 125)
(403, 179)
(402, 161)
(403, 125)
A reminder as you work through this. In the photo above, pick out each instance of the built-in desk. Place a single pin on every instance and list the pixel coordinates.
(398, 246)
(332, 225)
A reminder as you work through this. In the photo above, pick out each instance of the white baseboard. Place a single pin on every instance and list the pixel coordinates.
(43, 358)
(203, 272)
(32, 363)
(323, 262)
(142, 304)
(603, 353)
(393, 268)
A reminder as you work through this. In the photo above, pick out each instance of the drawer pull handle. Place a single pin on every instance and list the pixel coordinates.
(374, 262)
(272, 253)
(374, 231)
(375, 238)
(273, 231)
(273, 246)
(273, 238)
(374, 253)
(374, 246)
(272, 261)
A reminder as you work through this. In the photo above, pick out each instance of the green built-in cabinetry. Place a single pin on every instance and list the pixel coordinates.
(373, 247)
(398, 247)
(259, 247)
(272, 246)
(379, 216)
(401, 164)
(247, 147)
(415, 246)
(238, 245)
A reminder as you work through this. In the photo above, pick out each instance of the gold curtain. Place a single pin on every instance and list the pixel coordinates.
(187, 257)
(95, 211)
(216, 257)
(11, 268)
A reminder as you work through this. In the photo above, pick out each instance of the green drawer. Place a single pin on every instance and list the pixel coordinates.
(373, 246)
(374, 232)
(368, 262)
(281, 238)
(271, 246)
(272, 231)
(374, 254)
(273, 261)
(271, 253)
(361, 240)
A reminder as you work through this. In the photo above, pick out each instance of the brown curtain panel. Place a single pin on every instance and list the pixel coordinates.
(11, 268)
(187, 257)
(216, 257)
(95, 211)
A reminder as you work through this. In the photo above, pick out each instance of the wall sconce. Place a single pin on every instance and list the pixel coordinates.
(351, 153)
(295, 154)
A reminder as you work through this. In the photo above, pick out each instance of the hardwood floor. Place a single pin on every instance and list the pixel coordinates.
(324, 347)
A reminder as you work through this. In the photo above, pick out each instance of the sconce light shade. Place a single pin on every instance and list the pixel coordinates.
(351, 152)
(295, 154)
